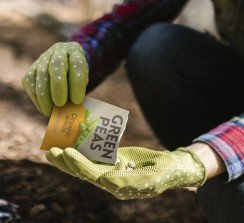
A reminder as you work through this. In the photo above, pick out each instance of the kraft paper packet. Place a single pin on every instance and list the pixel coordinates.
(93, 128)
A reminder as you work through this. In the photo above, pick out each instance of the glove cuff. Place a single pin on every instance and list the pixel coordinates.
(195, 157)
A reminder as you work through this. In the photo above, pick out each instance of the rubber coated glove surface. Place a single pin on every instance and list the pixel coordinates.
(139, 172)
(59, 73)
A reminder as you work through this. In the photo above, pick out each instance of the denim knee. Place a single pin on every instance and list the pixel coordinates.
(153, 47)
(222, 202)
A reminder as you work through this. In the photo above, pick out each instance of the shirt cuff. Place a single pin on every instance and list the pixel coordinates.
(228, 141)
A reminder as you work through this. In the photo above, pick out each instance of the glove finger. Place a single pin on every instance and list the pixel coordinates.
(142, 191)
(54, 156)
(43, 89)
(58, 69)
(82, 166)
(29, 84)
(132, 196)
(74, 46)
(129, 193)
(78, 76)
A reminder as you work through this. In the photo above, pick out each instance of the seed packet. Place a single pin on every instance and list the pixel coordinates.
(94, 128)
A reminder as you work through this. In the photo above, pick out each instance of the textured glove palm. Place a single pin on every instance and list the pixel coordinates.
(60, 71)
(138, 173)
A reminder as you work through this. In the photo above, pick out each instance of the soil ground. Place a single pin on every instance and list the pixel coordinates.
(43, 193)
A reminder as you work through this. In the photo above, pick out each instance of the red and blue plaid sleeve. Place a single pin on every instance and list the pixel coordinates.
(228, 141)
(107, 40)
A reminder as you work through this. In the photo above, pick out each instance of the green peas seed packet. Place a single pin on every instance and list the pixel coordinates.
(94, 128)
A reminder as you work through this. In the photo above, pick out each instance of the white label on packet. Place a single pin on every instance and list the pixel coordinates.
(105, 126)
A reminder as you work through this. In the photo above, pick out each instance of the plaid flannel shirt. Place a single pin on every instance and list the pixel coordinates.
(228, 141)
(107, 40)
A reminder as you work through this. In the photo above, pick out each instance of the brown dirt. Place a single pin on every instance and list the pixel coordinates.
(43, 193)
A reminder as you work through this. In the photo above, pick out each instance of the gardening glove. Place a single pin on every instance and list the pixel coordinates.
(138, 173)
(60, 72)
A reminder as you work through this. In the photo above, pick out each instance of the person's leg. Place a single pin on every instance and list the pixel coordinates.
(221, 202)
(186, 84)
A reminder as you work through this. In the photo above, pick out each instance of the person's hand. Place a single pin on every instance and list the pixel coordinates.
(139, 172)
(59, 73)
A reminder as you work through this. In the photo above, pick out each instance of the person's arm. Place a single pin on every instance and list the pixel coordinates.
(107, 40)
(211, 160)
(222, 149)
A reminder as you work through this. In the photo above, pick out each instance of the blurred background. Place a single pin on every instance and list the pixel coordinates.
(42, 193)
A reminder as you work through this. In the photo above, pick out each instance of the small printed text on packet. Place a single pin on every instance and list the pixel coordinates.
(68, 123)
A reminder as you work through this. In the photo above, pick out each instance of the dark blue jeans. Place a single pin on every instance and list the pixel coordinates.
(187, 83)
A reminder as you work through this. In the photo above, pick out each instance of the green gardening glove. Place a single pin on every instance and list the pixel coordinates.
(59, 73)
(139, 172)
